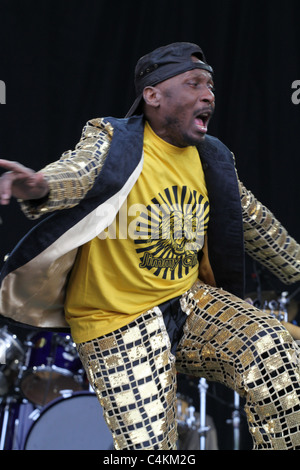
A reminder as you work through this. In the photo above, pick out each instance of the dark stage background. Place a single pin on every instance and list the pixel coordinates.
(64, 62)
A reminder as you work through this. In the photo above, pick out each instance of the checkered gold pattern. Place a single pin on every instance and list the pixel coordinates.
(73, 175)
(132, 371)
(267, 241)
(228, 340)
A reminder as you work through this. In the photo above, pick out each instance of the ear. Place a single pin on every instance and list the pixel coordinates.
(151, 96)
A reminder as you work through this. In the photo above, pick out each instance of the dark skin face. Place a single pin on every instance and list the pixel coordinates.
(179, 109)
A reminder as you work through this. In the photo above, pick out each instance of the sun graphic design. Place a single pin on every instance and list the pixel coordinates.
(171, 232)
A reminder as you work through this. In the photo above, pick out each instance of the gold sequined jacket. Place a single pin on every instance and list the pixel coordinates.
(87, 188)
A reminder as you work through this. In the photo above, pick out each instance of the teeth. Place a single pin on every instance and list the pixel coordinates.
(201, 122)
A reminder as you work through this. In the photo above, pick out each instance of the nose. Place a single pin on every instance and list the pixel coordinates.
(207, 95)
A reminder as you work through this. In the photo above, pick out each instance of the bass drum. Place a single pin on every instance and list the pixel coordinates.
(72, 423)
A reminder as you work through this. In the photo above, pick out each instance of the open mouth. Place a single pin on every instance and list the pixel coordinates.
(201, 121)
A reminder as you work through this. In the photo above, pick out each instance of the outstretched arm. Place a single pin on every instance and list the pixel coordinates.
(267, 241)
(21, 182)
(63, 183)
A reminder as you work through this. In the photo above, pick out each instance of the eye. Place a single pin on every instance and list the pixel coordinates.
(193, 84)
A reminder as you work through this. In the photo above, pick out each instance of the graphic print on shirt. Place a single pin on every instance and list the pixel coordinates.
(171, 232)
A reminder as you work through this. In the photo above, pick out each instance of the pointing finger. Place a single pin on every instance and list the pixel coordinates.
(15, 167)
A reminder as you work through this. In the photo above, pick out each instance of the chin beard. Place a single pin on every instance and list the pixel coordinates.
(193, 141)
(177, 138)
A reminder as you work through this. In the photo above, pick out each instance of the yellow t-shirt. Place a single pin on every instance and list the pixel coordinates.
(149, 254)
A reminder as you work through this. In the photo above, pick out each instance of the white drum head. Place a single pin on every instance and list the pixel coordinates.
(73, 423)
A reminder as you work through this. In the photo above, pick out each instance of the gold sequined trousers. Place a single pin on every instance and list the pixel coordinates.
(225, 339)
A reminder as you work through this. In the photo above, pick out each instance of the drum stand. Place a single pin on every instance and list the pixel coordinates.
(6, 414)
(10, 421)
(203, 429)
(236, 421)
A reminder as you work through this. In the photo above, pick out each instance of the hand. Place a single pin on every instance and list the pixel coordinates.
(21, 182)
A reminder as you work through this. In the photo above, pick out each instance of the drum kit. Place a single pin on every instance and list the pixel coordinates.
(45, 401)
